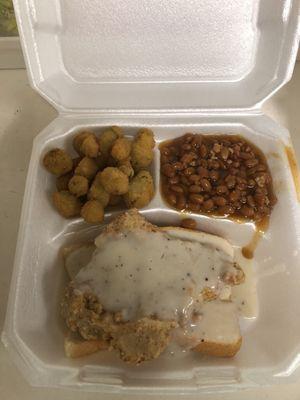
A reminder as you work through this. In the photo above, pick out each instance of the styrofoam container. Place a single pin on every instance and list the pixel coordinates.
(176, 67)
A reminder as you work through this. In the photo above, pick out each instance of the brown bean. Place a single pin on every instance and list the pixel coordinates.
(233, 171)
(181, 202)
(173, 150)
(189, 171)
(187, 158)
(251, 183)
(188, 223)
(234, 196)
(241, 186)
(194, 179)
(236, 149)
(186, 146)
(177, 166)
(194, 163)
(260, 199)
(206, 185)
(247, 211)
(240, 179)
(230, 181)
(243, 200)
(195, 143)
(250, 201)
(223, 165)
(220, 201)
(194, 207)
(195, 189)
(197, 140)
(268, 177)
(184, 180)
(226, 210)
(221, 189)
(261, 168)
(236, 205)
(203, 151)
(174, 180)
(171, 199)
(261, 191)
(203, 172)
(213, 164)
(260, 181)
(203, 163)
(208, 205)
(244, 155)
(168, 170)
(196, 198)
(243, 173)
(252, 162)
(217, 148)
(177, 188)
(224, 153)
(252, 171)
(214, 175)
(263, 210)
(165, 151)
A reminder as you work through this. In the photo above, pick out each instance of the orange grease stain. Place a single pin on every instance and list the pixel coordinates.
(289, 151)
(260, 228)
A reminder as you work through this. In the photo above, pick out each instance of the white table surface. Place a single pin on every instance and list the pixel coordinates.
(23, 114)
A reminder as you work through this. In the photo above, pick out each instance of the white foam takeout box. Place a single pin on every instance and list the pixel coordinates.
(174, 66)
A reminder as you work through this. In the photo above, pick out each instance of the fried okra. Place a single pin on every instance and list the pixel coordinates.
(142, 149)
(78, 185)
(97, 191)
(58, 162)
(141, 190)
(62, 181)
(121, 148)
(146, 136)
(92, 212)
(107, 139)
(86, 144)
(126, 167)
(114, 181)
(87, 167)
(66, 204)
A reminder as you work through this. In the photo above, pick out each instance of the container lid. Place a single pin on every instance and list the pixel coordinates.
(91, 55)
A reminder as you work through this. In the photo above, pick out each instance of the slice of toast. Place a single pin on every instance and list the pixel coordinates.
(219, 329)
(76, 347)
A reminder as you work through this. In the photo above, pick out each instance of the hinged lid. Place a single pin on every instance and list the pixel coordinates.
(91, 55)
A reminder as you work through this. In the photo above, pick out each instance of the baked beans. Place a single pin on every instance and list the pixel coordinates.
(223, 175)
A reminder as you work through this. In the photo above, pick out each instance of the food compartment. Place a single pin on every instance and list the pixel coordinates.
(34, 329)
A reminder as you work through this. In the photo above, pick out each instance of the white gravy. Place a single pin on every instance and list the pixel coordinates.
(153, 274)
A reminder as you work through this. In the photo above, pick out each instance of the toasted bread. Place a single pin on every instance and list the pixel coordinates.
(77, 347)
(219, 349)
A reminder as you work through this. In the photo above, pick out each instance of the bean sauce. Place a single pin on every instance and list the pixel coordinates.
(223, 175)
